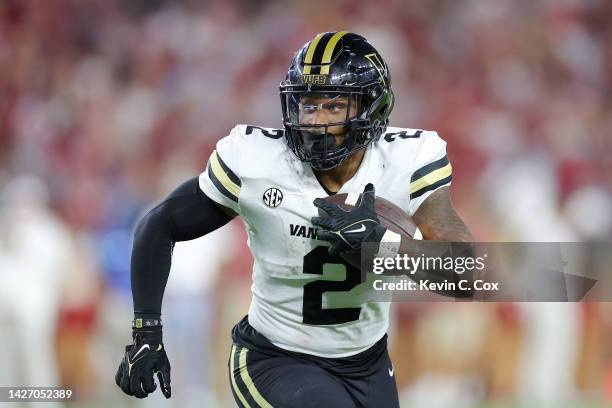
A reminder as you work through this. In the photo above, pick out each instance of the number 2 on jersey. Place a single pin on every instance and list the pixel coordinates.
(312, 311)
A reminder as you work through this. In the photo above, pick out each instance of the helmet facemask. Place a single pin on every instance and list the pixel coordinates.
(324, 128)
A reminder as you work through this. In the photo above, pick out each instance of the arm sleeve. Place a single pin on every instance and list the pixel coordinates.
(432, 170)
(221, 181)
(187, 213)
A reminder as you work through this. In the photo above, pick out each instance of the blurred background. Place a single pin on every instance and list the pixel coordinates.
(106, 105)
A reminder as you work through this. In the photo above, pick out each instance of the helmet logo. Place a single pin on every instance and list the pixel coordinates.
(376, 60)
(314, 79)
(272, 197)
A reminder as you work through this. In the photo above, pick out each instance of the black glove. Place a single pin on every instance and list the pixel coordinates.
(347, 230)
(145, 357)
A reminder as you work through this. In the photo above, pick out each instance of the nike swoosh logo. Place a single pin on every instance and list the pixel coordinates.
(144, 346)
(361, 229)
(391, 370)
(131, 363)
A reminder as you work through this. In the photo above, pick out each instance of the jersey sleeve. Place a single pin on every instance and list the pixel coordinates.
(221, 180)
(432, 170)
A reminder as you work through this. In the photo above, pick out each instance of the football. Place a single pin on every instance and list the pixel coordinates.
(390, 216)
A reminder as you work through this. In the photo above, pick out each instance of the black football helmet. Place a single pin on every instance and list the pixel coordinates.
(336, 64)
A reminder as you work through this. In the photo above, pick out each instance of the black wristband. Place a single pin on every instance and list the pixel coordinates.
(147, 328)
(147, 336)
(146, 323)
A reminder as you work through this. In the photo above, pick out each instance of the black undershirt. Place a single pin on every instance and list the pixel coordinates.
(187, 213)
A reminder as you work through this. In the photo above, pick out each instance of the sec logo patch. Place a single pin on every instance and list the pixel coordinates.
(272, 197)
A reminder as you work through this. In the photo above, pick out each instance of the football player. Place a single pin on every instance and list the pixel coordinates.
(294, 349)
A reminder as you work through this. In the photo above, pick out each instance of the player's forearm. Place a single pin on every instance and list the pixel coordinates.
(150, 264)
(184, 215)
(449, 229)
(438, 221)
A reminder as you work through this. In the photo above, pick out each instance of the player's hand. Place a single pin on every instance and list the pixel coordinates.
(145, 357)
(347, 230)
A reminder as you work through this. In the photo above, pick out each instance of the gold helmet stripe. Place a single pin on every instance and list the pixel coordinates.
(329, 50)
(310, 52)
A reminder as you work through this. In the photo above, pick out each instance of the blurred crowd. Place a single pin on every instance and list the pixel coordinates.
(105, 105)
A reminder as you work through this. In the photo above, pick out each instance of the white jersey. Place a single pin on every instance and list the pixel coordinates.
(295, 286)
